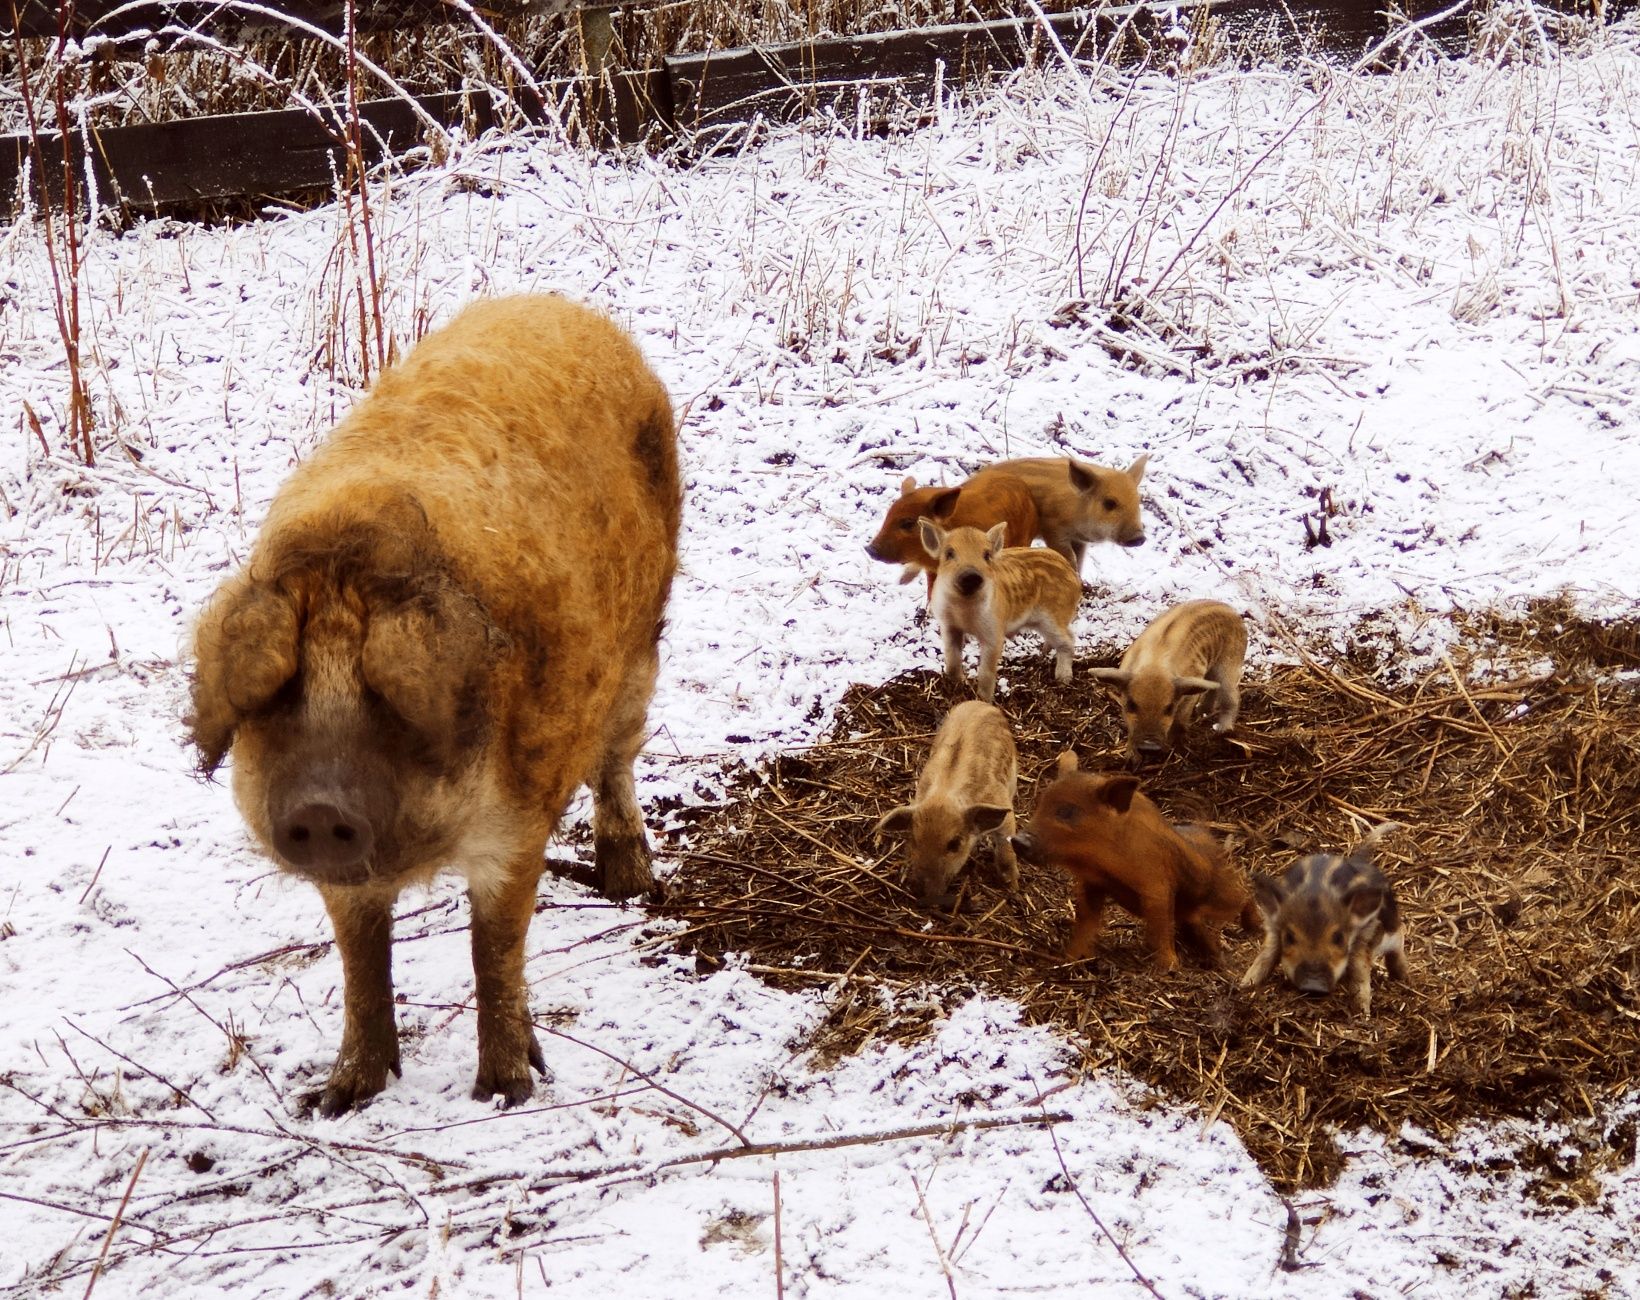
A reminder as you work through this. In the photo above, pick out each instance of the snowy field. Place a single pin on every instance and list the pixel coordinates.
(1420, 293)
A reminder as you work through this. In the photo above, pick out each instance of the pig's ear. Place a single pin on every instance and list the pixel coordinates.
(244, 651)
(984, 817)
(423, 655)
(896, 822)
(908, 485)
(941, 506)
(1067, 763)
(1364, 901)
(1118, 792)
(1116, 680)
(1194, 685)
(1084, 478)
(933, 536)
(1136, 471)
(997, 536)
(1269, 895)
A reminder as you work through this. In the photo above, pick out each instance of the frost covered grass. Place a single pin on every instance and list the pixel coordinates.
(1405, 306)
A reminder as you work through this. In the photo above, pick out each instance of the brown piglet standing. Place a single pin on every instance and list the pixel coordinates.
(1326, 919)
(966, 791)
(1116, 847)
(1078, 503)
(998, 499)
(1192, 649)
(448, 623)
(989, 593)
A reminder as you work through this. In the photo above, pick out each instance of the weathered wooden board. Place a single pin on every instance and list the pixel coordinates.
(226, 20)
(168, 165)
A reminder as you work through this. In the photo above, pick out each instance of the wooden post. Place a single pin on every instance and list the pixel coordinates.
(599, 63)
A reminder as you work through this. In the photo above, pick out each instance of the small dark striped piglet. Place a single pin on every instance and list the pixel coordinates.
(1326, 920)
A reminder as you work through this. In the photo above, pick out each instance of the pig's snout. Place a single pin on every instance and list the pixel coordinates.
(1312, 977)
(1150, 747)
(1024, 847)
(874, 553)
(970, 581)
(323, 837)
(1138, 539)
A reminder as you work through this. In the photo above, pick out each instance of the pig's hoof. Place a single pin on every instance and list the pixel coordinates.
(511, 1081)
(621, 864)
(348, 1088)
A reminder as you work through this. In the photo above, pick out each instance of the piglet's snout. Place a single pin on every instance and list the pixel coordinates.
(873, 552)
(970, 581)
(1138, 539)
(326, 836)
(1024, 846)
(1312, 977)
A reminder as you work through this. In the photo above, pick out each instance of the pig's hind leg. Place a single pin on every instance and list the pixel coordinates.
(503, 904)
(620, 849)
(363, 921)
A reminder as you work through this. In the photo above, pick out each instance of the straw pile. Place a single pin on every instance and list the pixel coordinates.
(1522, 906)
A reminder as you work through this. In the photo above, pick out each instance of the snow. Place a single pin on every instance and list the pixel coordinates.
(1420, 293)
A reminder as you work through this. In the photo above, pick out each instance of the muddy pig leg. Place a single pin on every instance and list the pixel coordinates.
(1088, 925)
(620, 850)
(363, 920)
(502, 907)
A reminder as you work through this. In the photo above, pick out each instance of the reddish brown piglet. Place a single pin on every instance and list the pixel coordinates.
(982, 503)
(1116, 847)
(447, 624)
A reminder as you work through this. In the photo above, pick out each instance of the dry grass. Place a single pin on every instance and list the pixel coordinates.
(1521, 798)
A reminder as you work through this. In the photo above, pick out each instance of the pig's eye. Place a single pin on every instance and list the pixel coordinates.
(954, 845)
(1130, 706)
(987, 557)
(1167, 711)
(906, 525)
(950, 554)
(1338, 938)
(1290, 937)
(1110, 503)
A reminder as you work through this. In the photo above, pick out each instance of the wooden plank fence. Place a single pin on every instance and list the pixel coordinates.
(248, 155)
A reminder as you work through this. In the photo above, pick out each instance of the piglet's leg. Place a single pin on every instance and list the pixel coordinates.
(1263, 964)
(620, 850)
(1003, 851)
(989, 658)
(953, 653)
(1359, 977)
(1394, 949)
(1088, 925)
(1062, 644)
(363, 920)
(1229, 706)
(503, 904)
(1156, 912)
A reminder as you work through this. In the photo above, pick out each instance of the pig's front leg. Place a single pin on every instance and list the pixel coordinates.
(1263, 964)
(503, 904)
(953, 638)
(363, 920)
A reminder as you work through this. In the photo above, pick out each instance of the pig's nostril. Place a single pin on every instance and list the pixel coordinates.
(344, 833)
(300, 834)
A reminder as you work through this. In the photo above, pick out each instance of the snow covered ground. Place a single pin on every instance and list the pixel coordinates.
(1421, 293)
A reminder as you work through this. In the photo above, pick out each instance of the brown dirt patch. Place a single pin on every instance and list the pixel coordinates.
(1516, 876)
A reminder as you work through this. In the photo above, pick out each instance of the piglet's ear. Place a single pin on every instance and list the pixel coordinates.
(1194, 685)
(997, 536)
(895, 822)
(1136, 471)
(933, 536)
(941, 506)
(1269, 895)
(908, 485)
(1067, 762)
(1084, 478)
(983, 817)
(1118, 792)
(1364, 901)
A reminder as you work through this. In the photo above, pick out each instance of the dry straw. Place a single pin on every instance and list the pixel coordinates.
(1520, 800)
